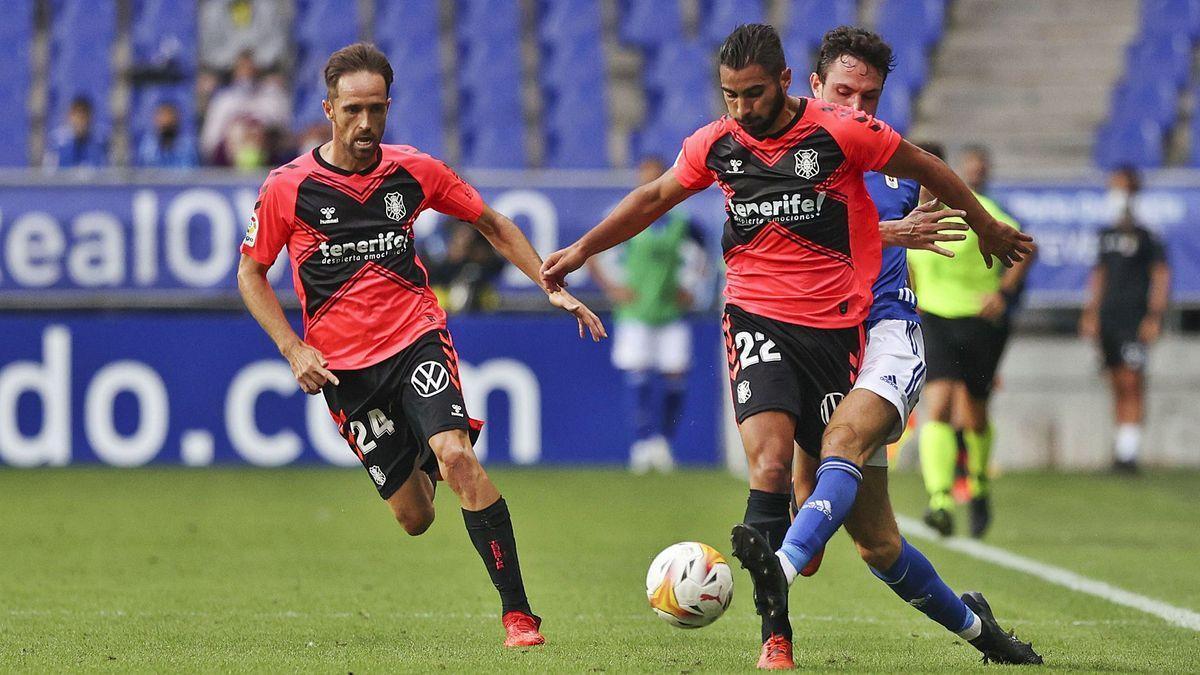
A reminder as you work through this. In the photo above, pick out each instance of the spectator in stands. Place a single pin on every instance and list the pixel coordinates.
(77, 143)
(1127, 297)
(314, 135)
(248, 101)
(167, 145)
(652, 281)
(229, 28)
(464, 276)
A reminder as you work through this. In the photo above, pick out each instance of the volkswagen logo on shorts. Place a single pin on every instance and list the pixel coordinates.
(828, 403)
(430, 378)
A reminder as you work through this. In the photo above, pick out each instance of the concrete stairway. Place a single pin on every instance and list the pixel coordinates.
(1030, 79)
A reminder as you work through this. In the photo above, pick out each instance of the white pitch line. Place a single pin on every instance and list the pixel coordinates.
(1179, 616)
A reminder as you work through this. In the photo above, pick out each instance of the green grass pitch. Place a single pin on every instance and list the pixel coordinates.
(303, 570)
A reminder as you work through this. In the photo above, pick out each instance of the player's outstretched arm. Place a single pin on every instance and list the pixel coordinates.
(510, 242)
(635, 213)
(308, 364)
(995, 238)
(923, 228)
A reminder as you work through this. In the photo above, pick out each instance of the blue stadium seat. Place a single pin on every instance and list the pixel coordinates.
(16, 34)
(650, 23)
(1137, 99)
(718, 18)
(565, 21)
(82, 34)
(321, 27)
(1165, 17)
(164, 32)
(807, 23)
(576, 131)
(403, 29)
(490, 114)
(1164, 56)
(494, 147)
(1138, 143)
(905, 20)
(895, 107)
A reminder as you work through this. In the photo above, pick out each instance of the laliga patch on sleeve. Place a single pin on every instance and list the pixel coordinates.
(251, 231)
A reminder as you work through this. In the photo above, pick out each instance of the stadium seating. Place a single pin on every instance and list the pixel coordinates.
(402, 30)
(913, 28)
(647, 24)
(164, 40)
(1137, 142)
(81, 37)
(16, 34)
(718, 18)
(491, 121)
(321, 27)
(575, 117)
(807, 23)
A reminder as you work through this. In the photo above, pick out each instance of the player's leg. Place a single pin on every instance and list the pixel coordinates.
(433, 404)
(872, 525)
(1129, 401)
(674, 359)
(804, 479)
(412, 503)
(938, 445)
(857, 428)
(768, 439)
(633, 354)
(764, 361)
(984, 352)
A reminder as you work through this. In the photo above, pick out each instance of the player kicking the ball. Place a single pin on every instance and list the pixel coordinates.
(802, 248)
(375, 340)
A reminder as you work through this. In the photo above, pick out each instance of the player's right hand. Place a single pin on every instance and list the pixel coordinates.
(309, 367)
(1001, 241)
(923, 228)
(558, 265)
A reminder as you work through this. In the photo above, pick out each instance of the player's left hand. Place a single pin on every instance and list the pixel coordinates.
(1006, 243)
(923, 228)
(559, 264)
(994, 306)
(586, 317)
(1150, 329)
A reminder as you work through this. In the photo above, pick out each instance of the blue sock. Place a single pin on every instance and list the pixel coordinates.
(823, 513)
(674, 388)
(913, 578)
(643, 418)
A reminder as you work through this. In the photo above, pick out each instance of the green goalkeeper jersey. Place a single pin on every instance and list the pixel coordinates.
(652, 262)
(954, 288)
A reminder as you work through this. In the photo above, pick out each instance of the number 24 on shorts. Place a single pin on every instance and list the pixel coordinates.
(380, 425)
(746, 343)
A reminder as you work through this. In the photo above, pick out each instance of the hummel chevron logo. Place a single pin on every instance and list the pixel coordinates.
(821, 505)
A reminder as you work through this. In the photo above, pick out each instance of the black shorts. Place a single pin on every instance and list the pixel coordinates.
(967, 350)
(387, 412)
(1119, 342)
(801, 370)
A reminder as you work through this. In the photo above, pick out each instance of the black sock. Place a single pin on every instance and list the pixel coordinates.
(491, 532)
(672, 405)
(767, 512)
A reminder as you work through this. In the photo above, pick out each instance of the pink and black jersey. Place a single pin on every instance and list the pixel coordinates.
(349, 235)
(801, 242)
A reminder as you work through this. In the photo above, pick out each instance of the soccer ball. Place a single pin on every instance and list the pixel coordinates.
(689, 585)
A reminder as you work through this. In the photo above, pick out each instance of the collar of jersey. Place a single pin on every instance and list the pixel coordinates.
(316, 153)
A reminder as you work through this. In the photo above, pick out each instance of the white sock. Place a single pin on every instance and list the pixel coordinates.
(789, 570)
(1128, 442)
(973, 630)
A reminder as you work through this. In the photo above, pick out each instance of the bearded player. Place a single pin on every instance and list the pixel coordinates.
(375, 340)
(802, 248)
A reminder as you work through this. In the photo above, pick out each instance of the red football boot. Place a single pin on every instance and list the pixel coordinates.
(813, 565)
(776, 654)
(522, 630)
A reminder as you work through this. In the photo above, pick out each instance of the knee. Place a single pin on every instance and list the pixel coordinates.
(457, 460)
(771, 471)
(880, 552)
(844, 441)
(414, 521)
